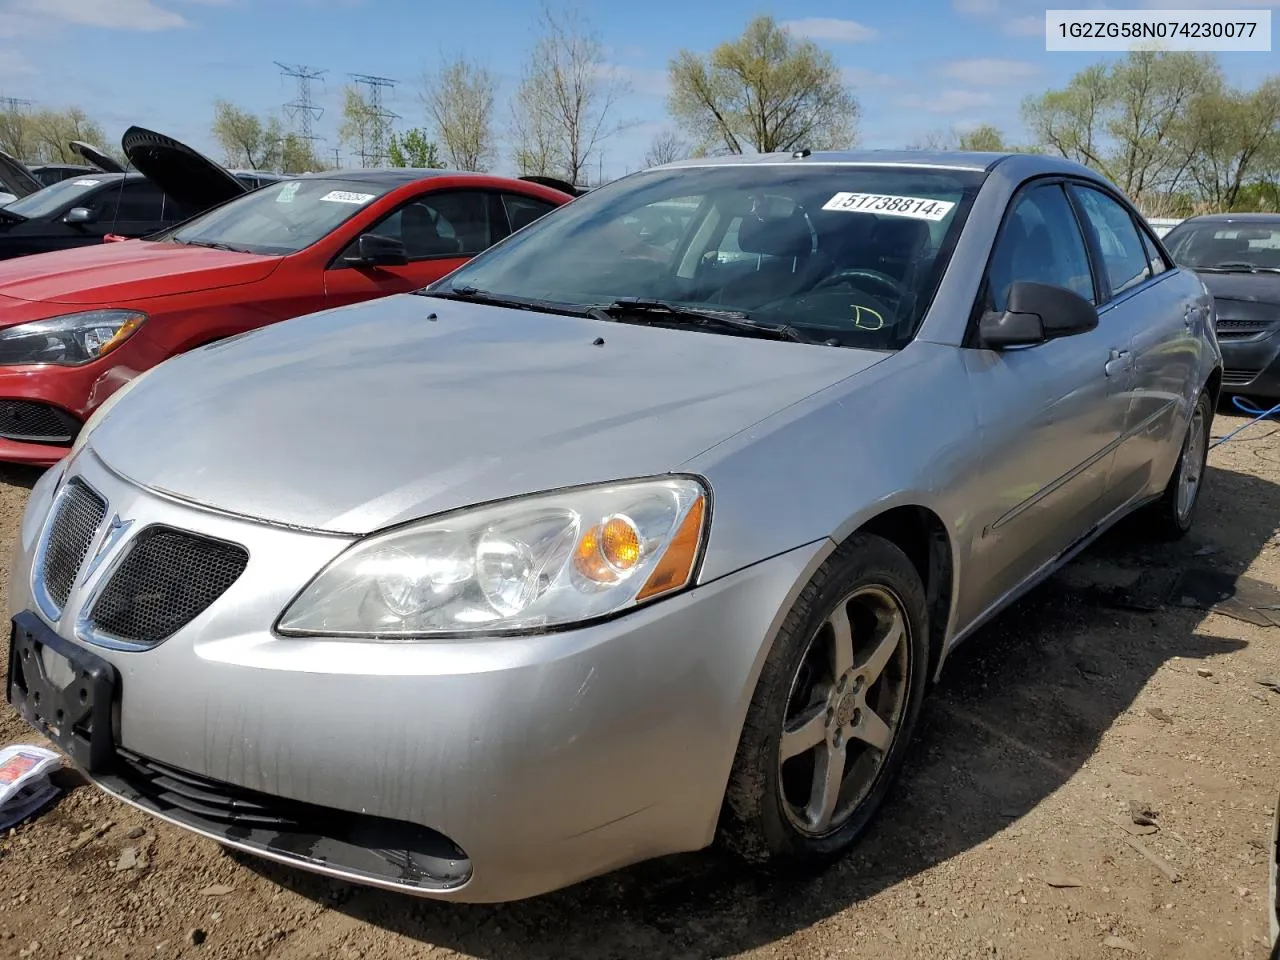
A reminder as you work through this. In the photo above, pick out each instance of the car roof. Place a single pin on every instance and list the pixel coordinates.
(937, 159)
(391, 176)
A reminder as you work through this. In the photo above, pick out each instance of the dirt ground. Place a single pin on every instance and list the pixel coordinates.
(1010, 835)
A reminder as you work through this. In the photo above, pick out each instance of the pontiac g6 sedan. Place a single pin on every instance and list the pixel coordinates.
(651, 524)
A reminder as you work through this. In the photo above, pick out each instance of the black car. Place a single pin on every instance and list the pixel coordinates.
(170, 183)
(1237, 255)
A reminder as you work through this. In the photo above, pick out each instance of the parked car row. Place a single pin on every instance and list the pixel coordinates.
(611, 528)
(76, 325)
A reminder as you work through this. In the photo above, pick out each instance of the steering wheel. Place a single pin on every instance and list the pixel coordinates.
(882, 280)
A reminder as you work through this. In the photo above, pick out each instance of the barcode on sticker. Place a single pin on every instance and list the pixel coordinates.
(920, 208)
(342, 196)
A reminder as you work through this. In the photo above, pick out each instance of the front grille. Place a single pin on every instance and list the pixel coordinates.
(376, 848)
(167, 578)
(1237, 377)
(32, 422)
(78, 516)
(1239, 329)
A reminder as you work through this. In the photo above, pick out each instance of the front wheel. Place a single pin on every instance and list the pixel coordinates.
(1171, 516)
(834, 709)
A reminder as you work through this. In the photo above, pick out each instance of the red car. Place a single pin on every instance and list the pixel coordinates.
(76, 324)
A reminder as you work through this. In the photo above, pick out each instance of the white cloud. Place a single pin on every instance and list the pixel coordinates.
(948, 101)
(1024, 27)
(830, 29)
(863, 79)
(26, 17)
(989, 71)
(651, 83)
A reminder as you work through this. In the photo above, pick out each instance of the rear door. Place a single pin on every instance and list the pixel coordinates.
(1049, 414)
(134, 210)
(440, 230)
(1152, 314)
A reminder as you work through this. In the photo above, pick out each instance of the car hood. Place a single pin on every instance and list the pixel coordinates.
(16, 178)
(354, 419)
(186, 176)
(131, 271)
(95, 156)
(1245, 287)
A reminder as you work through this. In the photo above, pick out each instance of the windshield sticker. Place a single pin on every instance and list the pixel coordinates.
(342, 196)
(87, 183)
(865, 318)
(287, 192)
(918, 208)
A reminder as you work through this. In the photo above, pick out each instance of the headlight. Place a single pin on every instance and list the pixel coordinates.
(532, 563)
(69, 340)
(96, 417)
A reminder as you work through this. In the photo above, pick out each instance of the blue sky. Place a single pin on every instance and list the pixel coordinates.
(915, 65)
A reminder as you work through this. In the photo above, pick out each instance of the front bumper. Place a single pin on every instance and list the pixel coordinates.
(545, 759)
(1252, 366)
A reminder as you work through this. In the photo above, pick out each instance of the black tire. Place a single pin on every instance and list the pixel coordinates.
(1167, 519)
(756, 823)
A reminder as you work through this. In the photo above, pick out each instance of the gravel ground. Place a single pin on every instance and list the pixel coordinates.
(1010, 835)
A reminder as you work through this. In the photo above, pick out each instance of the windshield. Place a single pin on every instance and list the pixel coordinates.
(55, 197)
(1240, 245)
(845, 253)
(279, 218)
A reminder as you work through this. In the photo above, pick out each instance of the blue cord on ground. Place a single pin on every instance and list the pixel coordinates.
(1251, 409)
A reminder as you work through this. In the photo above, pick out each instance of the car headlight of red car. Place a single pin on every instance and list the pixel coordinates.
(69, 340)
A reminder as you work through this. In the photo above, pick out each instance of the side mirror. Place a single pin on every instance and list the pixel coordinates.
(1036, 313)
(79, 215)
(375, 250)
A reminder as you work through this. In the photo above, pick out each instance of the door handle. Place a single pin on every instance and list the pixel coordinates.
(1189, 316)
(1118, 363)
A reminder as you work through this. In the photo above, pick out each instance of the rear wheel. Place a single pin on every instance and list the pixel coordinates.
(1171, 516)
(834, 709)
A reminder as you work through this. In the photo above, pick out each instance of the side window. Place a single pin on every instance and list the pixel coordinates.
(1040, 243)
(1155, 259)
(447, 224)
(1123, 254)
(522, 211)
(137, 200)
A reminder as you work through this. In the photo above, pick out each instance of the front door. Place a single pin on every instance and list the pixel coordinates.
(440, 231)
(1050, 415)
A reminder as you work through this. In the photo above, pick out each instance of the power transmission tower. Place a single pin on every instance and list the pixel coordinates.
(13, 103)
(302, 111)
(375, 146)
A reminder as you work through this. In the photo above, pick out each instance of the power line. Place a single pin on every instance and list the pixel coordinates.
(375, 146)
(302, 110)
(13, 103)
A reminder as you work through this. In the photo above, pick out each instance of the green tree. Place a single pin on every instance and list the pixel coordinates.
(984, 137)
(1237, 134)
(564, 108)
(1130, 120)
(765, 91)
(413, 148)
(459, 99)
(362, 130)
(260, 143)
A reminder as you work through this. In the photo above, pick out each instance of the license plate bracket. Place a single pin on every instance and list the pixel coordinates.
(67, 693)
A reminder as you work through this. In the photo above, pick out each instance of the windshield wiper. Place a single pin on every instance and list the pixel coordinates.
(210, 244)
(665, 311)
(472, 294)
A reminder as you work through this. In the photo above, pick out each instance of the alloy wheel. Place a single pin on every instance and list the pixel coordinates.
(844, 710)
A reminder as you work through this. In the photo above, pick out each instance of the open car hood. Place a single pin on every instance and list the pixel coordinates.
(188, 177)
(564, 186)
(95, 157)
(16, 178)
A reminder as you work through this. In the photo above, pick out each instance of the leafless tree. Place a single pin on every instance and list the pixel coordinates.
(459, 99)
(565, 105)
(666, 147)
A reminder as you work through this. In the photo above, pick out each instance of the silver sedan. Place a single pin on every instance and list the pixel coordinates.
(650, 526)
